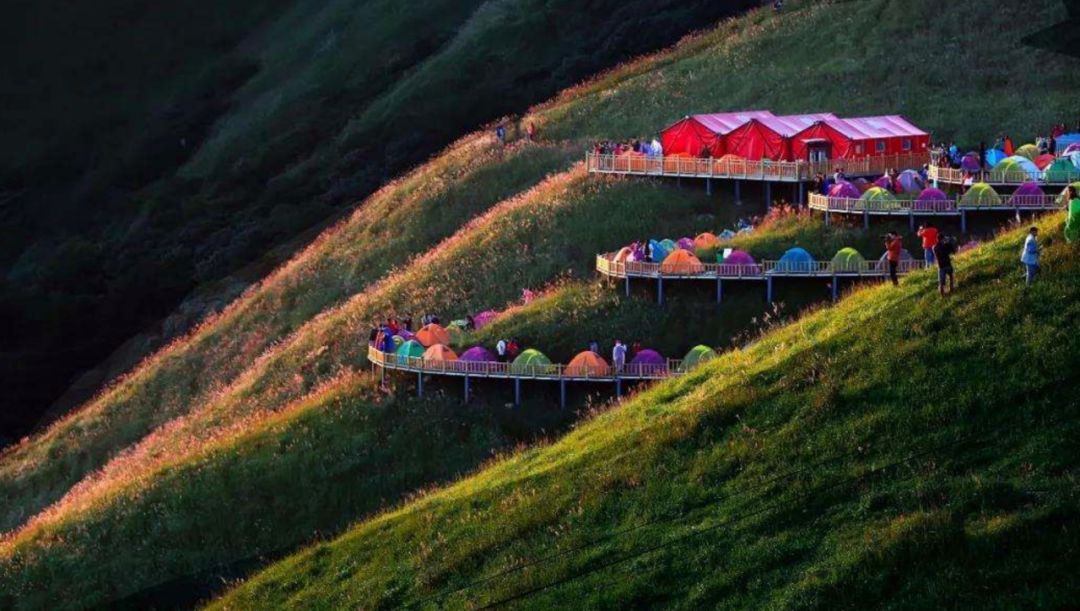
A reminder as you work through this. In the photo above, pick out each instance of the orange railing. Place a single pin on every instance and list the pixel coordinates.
(743, 169)
(954, 176)
(608, 266)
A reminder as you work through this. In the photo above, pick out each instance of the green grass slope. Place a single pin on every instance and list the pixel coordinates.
(899, 449)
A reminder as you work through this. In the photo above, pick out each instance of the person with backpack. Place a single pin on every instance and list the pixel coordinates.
(944, 249)
(894, 245)
(1029, 256)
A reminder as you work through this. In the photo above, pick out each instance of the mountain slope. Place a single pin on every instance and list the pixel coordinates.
(875, 451)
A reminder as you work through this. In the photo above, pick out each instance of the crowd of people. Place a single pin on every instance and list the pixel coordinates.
(642, 146)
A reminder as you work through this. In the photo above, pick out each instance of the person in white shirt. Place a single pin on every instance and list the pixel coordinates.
(1030, 255)
(500, 350)
(618, 356)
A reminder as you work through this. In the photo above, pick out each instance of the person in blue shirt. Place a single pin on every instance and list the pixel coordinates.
(1030, 255)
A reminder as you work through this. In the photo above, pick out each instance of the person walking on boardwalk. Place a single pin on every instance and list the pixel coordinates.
(943, 252)
(929, 235)
(1072, 222)
(500, 350)
(894, 244)
(1030, 256)
(618, 356)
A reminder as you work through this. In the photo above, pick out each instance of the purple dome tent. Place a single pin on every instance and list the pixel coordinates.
(1072, 148)
(405, 335)
(484, 318)
(911, 181)
(970, 162)
(647, 362)
(884, 183)
(1027, 194)
(478, 354)
(932, 199)
(845, 189)
(739, 257)
(686, 244)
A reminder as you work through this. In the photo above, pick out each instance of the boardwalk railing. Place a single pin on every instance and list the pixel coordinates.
(844, 205)
(608, 266)
(743, 169)
(954, 176)
(527, 372)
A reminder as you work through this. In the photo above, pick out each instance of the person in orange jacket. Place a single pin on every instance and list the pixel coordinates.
(1009, 150)
(894, 244)
(929, 235)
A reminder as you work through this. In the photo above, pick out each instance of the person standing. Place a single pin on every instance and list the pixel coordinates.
(594, 347)
(530, 131)
(1072, 222)
(618, 356)
(1030, 256)
(894, 244)
(500, 133)
(943, 252)
(500, 350)
(929, 235)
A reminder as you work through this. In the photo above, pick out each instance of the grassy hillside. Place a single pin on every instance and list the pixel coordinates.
(898, 447)
(300, 333)
(151, 150)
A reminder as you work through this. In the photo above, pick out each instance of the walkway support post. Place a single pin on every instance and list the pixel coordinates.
(517, 392)
(420, 384)
(738, 191)
(618, 388)
(768, 195)
(835, 288)
(466, 389)
(562, 394)
(660, 290)
(911, 219)
(719, 289)
(768, 289)
(802, 195)
(628, 285)
(866, 219)
(708, 186)
(826, 217)
(963, 221)
(382, 374)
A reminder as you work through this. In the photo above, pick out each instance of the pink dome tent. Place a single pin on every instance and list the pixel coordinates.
(845, 189)
(739, 257)
(932, 199)
(1027, 194)
(484, 318)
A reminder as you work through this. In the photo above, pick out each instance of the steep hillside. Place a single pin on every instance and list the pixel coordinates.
(299, 334)
(149, 150)
(898, 449)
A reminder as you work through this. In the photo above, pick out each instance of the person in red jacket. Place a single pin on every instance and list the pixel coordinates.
(929, 235)
(893, 245)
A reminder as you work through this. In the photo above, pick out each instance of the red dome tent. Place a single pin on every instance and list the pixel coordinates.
(860, 137)
(697, 132)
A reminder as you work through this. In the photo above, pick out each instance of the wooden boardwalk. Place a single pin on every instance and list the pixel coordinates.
(763, 271)
(562, 374)
(951, 176)
(912, 209)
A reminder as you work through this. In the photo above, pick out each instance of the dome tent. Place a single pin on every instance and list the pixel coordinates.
(862, 184)
(532, 362)
(478, 354)
(741, 258)
(845, 189)
(697, 355)
(911, 181)
(1027, 194)
(647, 362)
(432, 334)
(587, 364)
(685, 244)
(705, 246)
(980, 194)
(884, 182)
(398, 340)
(681, 262)
(1061, 171)
(847, 259)
(439, 352)
(1028, 150)
(623, 255)
(994, 156)
(1017, 168)
(795, 260)
(669, 245)
(879, 199)
(484, 318)
(410, 349)
(932, 199)
(1043, 161)
(970, 162)
(659, 251)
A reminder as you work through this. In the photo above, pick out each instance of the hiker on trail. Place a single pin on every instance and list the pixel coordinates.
(635, 349)
(648, 251)
(512, 349)
(1030, 256)
(943, 252)
(500, 133)
(618, 356)
(929, 235)
(500, 350)
(594, 347)
(373, 336)
(1051, 146)
(530, 132)
(893, 245)
(1072, 222)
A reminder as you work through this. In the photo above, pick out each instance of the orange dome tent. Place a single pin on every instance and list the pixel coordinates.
(623, 254)
(432, 334)
(587, 364)
(681, 262)
(439, 352)
(706, 240)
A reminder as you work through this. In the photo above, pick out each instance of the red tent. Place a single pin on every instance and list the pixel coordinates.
(698, 132)
(860, 137)
(770, 137)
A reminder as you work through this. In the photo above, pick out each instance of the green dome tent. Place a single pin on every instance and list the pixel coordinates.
(1061, 171)
(697, 356)
(531, 362)
(877, 198)
(1017, 169)
(410, 349)
(980, 194)
(1028, 150)
(847, 259)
